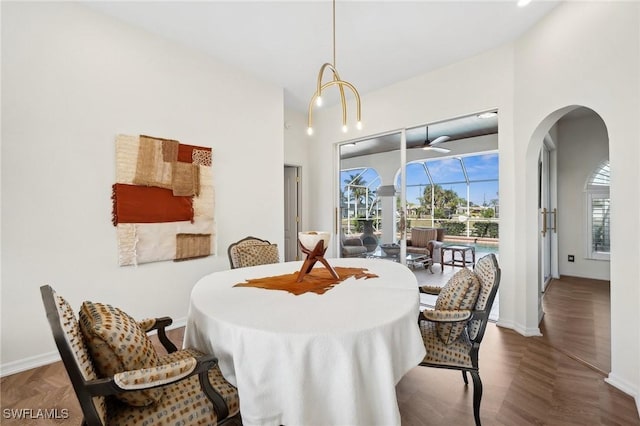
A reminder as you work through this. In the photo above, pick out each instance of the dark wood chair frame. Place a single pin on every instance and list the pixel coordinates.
(87, 389)
(483, 317)
(258, 240)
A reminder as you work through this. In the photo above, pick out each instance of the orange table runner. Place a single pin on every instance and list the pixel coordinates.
(319, 281)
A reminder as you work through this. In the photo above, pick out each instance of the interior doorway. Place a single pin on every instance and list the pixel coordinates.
(573, 232)
(292, 214)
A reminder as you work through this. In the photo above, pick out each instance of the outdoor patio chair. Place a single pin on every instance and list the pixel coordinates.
(352, 246)
(427, 241)
(453, 331)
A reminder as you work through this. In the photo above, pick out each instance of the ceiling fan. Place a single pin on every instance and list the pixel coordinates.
(429, 145)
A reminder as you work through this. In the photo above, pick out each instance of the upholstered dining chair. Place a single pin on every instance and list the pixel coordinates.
(119, 378)
(453, 331)
(252, 251)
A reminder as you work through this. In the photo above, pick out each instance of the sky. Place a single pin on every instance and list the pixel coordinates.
(447, 173)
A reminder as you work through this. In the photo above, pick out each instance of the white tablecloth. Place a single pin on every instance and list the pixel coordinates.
(331, 359)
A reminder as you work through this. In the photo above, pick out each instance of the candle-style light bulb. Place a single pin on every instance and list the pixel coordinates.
(345, 128)
(359, 125)
(309, 131)
(319, 101)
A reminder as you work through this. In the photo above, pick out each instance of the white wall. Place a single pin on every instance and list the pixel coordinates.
(560, 62)
(583, 145)
(73, 79)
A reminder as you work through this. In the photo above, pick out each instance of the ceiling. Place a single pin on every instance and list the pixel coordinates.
(377, 43)
(456, 129)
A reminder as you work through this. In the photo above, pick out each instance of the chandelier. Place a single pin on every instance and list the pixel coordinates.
(316, 99)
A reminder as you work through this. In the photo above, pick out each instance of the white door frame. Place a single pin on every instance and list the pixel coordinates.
(292, 211)
(547, 217)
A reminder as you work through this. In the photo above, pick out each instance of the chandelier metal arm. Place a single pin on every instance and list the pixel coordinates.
(321, 74)
(341, 84)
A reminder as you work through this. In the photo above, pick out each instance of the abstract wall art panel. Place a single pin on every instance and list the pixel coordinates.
(162, 200)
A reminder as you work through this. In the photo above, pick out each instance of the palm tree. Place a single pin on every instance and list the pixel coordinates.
(443, 200)
(356, 189)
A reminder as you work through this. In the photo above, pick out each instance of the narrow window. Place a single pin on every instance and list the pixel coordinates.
(598, 213)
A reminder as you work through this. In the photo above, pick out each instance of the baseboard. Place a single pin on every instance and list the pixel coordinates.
(36, 361)
(505, 324)
(624, 386)
(526, 332)
(29, 363)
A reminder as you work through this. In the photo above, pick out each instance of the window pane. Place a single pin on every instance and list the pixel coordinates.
(485, 194)
(601, 177)
(600, 225)
(358, 192)
(481, 167)
(447, 170)
(416, 175)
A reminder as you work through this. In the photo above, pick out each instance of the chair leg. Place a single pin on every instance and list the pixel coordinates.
(477, 395)
(464, 377)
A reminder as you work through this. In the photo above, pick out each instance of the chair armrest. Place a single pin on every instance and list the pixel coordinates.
(352, 242)
(147, 324)
(146, 378)
(435, 244)
(436, 315)
(159, 324)
(434, 248)
(428, 289)
(161, 375)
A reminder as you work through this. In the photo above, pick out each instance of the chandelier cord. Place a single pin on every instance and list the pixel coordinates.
(334, 34)
(335, 81)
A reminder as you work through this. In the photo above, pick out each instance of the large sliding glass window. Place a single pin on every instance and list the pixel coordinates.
(451, 182)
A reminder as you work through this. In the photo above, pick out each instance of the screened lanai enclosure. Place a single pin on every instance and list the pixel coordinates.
(459, 194)
(455, 188)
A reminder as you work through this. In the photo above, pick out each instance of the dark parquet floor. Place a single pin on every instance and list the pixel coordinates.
(556, 379)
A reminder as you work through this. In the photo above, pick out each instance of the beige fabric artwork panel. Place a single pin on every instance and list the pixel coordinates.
(150, 162)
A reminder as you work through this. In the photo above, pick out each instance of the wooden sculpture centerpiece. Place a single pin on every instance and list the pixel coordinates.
(314, 244)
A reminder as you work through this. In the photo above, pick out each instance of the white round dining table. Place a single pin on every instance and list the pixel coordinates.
(310, 359)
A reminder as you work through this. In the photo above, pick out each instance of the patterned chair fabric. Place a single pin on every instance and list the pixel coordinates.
(488, 274)
(183, 403)
(193, 390)
(75, 354)
(117, 343)
(456, 354)
(252, 251)
(460, 293)
(462, 352)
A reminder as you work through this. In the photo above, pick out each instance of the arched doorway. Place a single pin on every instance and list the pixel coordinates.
(579, 228)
